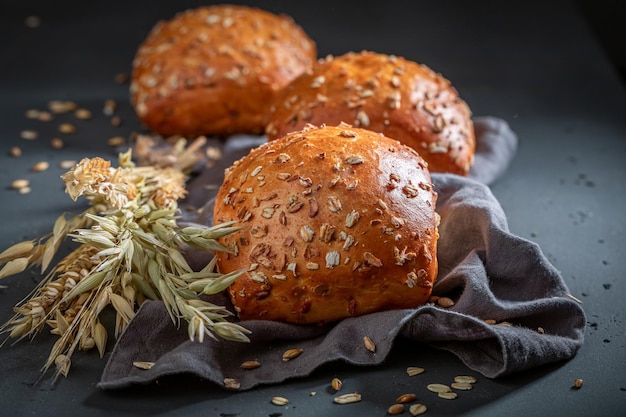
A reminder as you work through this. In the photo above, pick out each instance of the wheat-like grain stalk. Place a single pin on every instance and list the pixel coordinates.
(129, 251)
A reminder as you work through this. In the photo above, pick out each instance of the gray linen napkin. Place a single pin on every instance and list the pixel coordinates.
(490, 274)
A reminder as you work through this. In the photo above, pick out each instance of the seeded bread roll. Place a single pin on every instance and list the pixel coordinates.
(340, 222)
(400, 98)
(212, 70)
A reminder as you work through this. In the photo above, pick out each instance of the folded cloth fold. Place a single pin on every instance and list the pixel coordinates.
(487, 271)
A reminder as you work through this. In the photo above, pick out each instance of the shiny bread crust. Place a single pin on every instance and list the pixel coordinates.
(339, 222)
(402, 99)
(212, 70)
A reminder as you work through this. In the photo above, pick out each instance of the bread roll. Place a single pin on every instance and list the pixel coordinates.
(213, 70)
(400, 98)
(340, 222)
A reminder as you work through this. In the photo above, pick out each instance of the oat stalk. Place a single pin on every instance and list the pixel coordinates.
(129, 251)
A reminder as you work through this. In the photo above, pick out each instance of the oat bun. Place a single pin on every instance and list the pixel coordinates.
(212, 70)
(340, 222)
(404, 100)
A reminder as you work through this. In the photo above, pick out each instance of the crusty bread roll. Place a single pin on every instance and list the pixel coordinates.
(340, 222)
(212, 70)
(400, 98)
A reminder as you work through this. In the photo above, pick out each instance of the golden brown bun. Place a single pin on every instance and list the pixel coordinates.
(340, 222)
(212, 70)
(400, 98)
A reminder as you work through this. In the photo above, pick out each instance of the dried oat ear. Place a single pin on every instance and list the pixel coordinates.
(129, 251)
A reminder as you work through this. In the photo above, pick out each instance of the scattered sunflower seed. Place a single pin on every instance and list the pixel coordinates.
(395, 409)
(291, 354)
(44, 116)
(40, 166)
(116, 141)
(67, 128)
(354, 160)
(369, 345)
(32, 113)
(490, 321)
(109, 107)
(463, 386)
(445, 302)
(578, 383)
(406, 398)
(56, 143)
(438, 388)
(82, 114)
(247, 365)
(465, 378)
(60, 106)
(447, 395)
(67, 164)
(24, 190)
(417, 409)
(116, 121)
(280, 401)
(143, 364)
(29, 134)
(414, 370)
(20, 183)
(15, 151)
(336, 384)
(353, 397)
(231, 383)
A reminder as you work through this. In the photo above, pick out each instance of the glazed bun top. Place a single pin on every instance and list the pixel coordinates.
(404, 100)
(213, 69)
(340, 222)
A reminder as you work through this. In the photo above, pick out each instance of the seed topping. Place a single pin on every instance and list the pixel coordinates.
(348, 134)
(352, 218)
(334, 204)
(29, 134)
(333, 258)
(354, 160)
(327, 232)
(372, 260)
(313, 207)
(306, 233)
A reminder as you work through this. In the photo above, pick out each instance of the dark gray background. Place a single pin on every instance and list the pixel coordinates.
(538, 65)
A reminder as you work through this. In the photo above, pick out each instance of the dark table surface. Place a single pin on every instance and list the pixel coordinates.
(534, 64)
